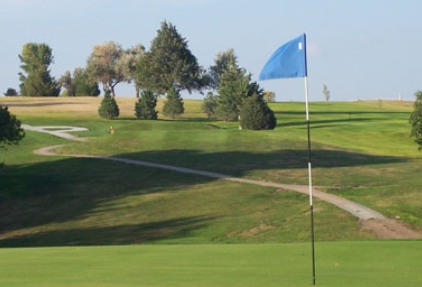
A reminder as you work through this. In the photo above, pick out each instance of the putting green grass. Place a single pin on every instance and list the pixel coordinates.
(346, 264)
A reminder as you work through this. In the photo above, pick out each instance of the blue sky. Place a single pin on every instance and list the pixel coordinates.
(360, 49)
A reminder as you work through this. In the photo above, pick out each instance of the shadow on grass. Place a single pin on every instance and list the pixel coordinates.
(115, 235)
(61, 191)
(379, 112)
(336, 117)
(238, 163)
(72, 189)
(323, 123)
(46, 104)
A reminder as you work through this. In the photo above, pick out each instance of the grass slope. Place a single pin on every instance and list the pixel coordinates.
(361, 151)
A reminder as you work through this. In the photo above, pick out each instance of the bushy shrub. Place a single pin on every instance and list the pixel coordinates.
(10, 128)
(256, 115)
(11, 92)
(108, 108)
(145, 106)
(173, 106)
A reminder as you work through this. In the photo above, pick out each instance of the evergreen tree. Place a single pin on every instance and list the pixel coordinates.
(222, 62)
(145, 106)
(173, 106)
(108, 108)
(256, 115)
(11, 93)
(234, 87)
(10, 128)
(415, 120)
(209, 105)
(170, 64)
(36, 80)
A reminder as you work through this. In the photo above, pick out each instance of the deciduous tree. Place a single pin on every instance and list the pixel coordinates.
(326, 93)
(79, 84)
(36, 80)
(131, 60)
(67, 82)
(105, 65)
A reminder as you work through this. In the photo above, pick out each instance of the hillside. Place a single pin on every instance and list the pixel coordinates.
(361, 151)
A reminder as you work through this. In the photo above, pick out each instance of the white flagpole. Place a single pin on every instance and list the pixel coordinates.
(311, 193)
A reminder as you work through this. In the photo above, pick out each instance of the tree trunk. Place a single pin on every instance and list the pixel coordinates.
(137, 90)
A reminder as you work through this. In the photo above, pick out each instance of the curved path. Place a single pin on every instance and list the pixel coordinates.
(58, 131)
(369, 218)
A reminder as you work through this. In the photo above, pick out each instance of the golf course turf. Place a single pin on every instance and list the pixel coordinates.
(150, 227)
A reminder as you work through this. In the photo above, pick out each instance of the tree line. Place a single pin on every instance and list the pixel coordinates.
(166, 69)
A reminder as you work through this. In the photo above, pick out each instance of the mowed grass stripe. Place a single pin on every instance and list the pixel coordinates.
(348, 264)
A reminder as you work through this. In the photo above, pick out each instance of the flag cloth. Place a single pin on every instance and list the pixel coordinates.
(289, 61)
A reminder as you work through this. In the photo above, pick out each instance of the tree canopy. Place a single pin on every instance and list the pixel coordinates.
(36, 80)
(233, 88)
(415, 120)
(222, 62)
(173, 106)
(105, 65)
(209, 105)
(170, 64)
(10, 128)
(131, 59)
(79, 84)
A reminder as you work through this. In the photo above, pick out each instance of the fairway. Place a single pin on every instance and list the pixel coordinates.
(346, 264)
(104, 223)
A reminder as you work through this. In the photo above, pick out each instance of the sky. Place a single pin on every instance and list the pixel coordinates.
(362, 49)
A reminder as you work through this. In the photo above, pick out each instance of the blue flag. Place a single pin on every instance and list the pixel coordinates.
(289, 61)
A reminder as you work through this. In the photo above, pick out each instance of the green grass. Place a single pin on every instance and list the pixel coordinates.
(86, 202)
(348, 264)
(360, 150)
(166, 229)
